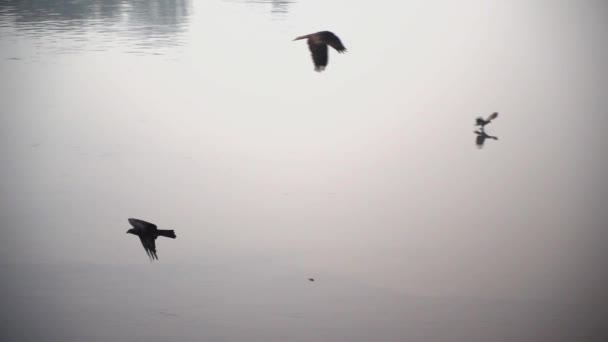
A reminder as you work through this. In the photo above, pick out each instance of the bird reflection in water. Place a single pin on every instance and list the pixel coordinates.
(481, 133)
(481, 137)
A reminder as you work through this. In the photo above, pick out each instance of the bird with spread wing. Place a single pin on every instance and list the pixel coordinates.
(481, 122)
(147, 233)
(317, 44)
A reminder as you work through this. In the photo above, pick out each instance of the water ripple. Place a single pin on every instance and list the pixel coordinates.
(142, 26)
(278, 8)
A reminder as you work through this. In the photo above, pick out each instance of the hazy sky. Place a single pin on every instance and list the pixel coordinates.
(204, 117)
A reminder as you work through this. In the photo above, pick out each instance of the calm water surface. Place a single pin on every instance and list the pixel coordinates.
(205, 117)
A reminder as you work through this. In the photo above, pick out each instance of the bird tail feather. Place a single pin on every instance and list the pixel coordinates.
(167, 233)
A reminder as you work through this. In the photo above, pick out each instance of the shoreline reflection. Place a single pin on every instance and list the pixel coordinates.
(139, 25)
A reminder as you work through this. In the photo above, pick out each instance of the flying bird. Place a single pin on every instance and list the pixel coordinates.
(482, 122)
(147, 233)
(317, 44)
(311, 279)
(481, 138)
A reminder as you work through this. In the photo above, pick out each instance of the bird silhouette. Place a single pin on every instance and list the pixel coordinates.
(148, 233)
(317, 44)
(481, 122)
(481, 137)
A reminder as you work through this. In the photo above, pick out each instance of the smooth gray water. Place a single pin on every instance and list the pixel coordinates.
(205, 117)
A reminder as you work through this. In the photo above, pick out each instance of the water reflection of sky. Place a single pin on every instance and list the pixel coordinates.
(65, 26)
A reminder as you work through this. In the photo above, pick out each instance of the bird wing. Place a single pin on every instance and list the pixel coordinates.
(335, 43)
(492, 116)
(318, 51)
(149, 246)
(141, 224)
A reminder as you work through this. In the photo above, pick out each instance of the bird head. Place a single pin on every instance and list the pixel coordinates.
(131, 231)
